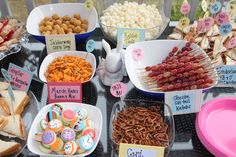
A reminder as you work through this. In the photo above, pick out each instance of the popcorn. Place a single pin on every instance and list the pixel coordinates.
(132, 15)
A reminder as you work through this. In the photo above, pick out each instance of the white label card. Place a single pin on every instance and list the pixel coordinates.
(184, 102)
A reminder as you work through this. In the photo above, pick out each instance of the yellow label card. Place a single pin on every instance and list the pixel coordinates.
(60, 43)
(130, 35)
(132, 150)
(88, 4)
(183, 22)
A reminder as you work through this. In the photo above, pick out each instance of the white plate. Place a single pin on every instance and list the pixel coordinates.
(154, 52)
(93, 113)
(62, 9)
(50, 57)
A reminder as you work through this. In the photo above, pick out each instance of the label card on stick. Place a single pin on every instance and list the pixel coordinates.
(225, 29)
(215, 7)
(21, 78)
(118, 89)
(227, 75)
(221, 18)
(183, 22)
(208, 23)
(88, 4)
(6, 75)
(185, 8)
(130, 35)
(132, 150)
(204, 5)
(56, 43)
(232, 43)
(137, 54)
(64, 92)
(184, 102)
(90, 46)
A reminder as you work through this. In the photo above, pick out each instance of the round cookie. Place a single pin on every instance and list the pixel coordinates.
(58, 145)
(49, 137)
(68, 116)
(89, 123)
(38, 136)
(90, 132)
(43, 124)
(86, 143)
(70, 148)
(68, 134)
(55, 125)
(57, 108)
(45, 150)
(81, 113)
(79, 125)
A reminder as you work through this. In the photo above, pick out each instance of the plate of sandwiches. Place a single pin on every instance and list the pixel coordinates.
(15, 123)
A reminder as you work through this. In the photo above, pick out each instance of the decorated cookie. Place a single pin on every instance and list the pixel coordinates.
(51, 115)
(70, 148)
(89, 123)
(80, 151)
(58, 109)
(43, 124)
(38, 136)
(55, 125)
(90, 132)
(81, 113)
(58, 145)
(45, 150)
(79, 125)
(68, 134)
(68, 116)
(49, 137)
(86, 143)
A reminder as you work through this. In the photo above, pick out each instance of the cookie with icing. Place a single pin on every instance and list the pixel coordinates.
(86, 143)
(79, 125)
(90, 132)
(43, 124)
(49, 137)
(81, 113)
(55, 125)
(89, 123)
(68, 134)
(68, 116)
(70, 148)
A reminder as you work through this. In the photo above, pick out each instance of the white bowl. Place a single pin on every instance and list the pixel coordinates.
(154, 53)
(50, 57)
(93, 113)
(62, 9)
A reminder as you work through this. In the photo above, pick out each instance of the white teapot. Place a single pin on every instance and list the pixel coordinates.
(111, 69)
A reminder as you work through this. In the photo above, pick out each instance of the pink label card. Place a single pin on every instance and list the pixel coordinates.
(185, 8)
(137, 54)
(64, 92)
(118, 89)
(200, 26)
(222, 17)
(208, 23)
(21, 78)
(232, 43)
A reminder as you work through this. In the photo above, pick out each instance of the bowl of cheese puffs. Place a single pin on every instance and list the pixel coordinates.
(62, 19)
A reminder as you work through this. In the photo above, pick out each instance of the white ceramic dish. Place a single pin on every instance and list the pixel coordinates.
(93, 113)
(154, 52)
(62, 9)
(50, 57)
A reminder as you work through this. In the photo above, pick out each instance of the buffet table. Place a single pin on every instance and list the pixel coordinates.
(95, 93)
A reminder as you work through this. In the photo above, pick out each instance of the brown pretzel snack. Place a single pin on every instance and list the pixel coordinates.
(139, 125)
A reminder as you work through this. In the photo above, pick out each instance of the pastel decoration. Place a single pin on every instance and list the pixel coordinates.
(90, 46)
(89, 123)
(185, 8)
(43, 124)
(208, 23)
(70, 148)
(89, 132)
(215, 7)
(68, 116)
(45, 150)
(206, 14)
(48, 137)
(232, 43)
(81, 113)
(79, 125)
(86, 143)
(58, 145)
(225, 29)
(68, 134)
(57, 108)
(51, 115)
(222, 17)
(55, 125)
(137, 54)
(183, 22)
(204, 5)
(200, 26)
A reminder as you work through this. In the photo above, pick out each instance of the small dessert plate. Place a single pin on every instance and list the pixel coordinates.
(216, 127)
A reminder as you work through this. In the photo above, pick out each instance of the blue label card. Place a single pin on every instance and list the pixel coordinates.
(90, 46)
(21, 78)
(184, 102)
(10, 92)
(225, 29)
(6, 75)
(227, 75)
(215, 7)
(130, 35)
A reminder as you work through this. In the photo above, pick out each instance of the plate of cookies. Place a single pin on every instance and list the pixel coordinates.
(15, 119)
(65, 129)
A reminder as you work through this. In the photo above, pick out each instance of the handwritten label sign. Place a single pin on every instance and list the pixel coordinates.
(131, 150)
(183, 102)
(56, 43)
(88, 4)
(232, 43)
(130, 35)
(208, 23)
(21, 78)
(64, 92)
(118, 89)
(225, 29)
(137, 54)
(221, 18)
(90, 46)
(215, 7)
(6, 75)
(183, 22)
(204, 5)
(227, 75)
(185, 8)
